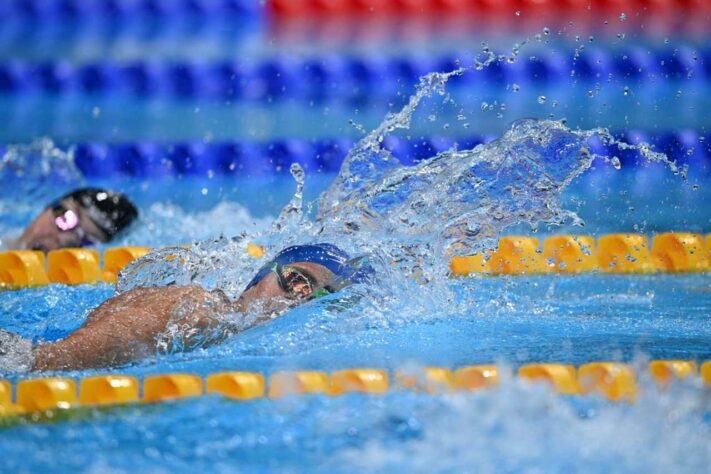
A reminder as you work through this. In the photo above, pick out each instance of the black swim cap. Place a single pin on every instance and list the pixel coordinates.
(109, 210)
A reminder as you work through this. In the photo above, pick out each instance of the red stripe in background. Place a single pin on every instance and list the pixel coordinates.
(287, 8)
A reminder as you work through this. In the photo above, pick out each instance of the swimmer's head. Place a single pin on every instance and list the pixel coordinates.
(110, 211)
(304, 272)
(81, 218)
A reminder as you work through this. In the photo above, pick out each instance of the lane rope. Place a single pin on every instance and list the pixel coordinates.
(154, 160)
(669, 252)
(613, 380)
(345, 78)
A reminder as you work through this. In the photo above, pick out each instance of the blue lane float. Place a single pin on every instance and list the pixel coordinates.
(48, 11)
(155, 160)
(350, 78)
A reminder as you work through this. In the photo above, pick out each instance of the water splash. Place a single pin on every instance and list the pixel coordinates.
(162, 223)
(525, 428)
(457, 202)
(36, 171)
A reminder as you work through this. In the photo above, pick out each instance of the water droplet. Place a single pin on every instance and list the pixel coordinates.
(204, 191)
(484, 106)
(518, 12)
(615, 162)
(591, 39)
(623, 17)
(679, 93)
(591, 93)
(515, 87)
(432, 117)
(626, 91)
(546, 31)
(542, 99)
(96, 112)
(666, 40)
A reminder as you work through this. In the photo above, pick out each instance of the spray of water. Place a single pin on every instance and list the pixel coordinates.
(34, 169)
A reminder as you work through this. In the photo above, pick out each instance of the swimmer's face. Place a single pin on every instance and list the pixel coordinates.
(299, 281)
(64, 225)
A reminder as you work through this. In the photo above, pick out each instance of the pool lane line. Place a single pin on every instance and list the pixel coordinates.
(492, 11)
(50, 398)
(149, 159)
(125, 14)
(624, 253)
(344, 78)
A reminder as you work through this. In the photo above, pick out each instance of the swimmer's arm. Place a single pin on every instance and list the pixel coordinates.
(121, 330)
(117, 332)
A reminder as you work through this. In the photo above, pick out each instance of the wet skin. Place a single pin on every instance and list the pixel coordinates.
(131, 325)
(43, 234)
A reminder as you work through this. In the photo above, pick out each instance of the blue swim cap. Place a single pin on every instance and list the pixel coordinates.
(328, 255)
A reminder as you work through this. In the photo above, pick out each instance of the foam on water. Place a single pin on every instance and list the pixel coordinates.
(526, 428)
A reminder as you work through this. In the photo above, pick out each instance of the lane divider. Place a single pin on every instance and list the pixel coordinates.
(671, 252)
(126, 11)
(149, 159)
(613, 380)
(343, 78)
(490, 9)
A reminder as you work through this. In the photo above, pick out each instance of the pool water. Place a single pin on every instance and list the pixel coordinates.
(508, 320)
(333, 79)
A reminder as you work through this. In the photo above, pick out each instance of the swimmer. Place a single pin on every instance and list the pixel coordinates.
(84, 217)
(136, 324)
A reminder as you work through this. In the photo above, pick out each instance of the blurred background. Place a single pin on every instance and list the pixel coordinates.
(223, 95)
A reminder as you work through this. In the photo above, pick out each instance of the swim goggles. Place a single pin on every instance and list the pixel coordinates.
(298, 283)
(66, 220)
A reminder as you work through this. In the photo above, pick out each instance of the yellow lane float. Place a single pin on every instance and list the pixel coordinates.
(428, 379)
(679, 252)
(171, 386)
(560, 376)
(664, 371)
(570, 253)
(117, 258)
(237, 385)
(108, 390)
(46, 394)
(73, 266)
(359, 380)
(624, 253)
(475, 377)
(296, 383)
(614, 380)
(517, 255)
(22, 268)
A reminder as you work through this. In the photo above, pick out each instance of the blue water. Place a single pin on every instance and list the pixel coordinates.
(507, 320)
(452, 323)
